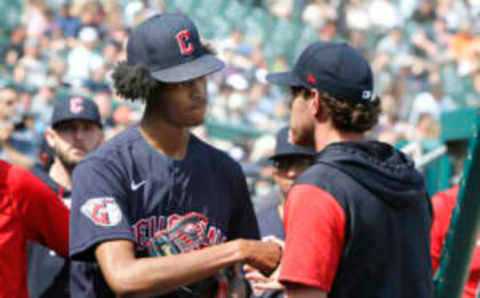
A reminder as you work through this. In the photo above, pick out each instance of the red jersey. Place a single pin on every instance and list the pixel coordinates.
(322, 226)
(29, 210)
(443, 205)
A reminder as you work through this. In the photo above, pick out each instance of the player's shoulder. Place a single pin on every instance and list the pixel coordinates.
(119, 142)
(114, 149)
(318, 174)
(216, 155)
(41, 173)
(17, 178)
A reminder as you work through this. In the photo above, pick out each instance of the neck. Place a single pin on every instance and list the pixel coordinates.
(166, 139)
(326, 134)
(280, 208)
(61, 174)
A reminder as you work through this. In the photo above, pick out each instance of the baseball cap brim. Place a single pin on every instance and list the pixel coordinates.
(284, 79)
(78, 117)
(281, 155)
(202, 66)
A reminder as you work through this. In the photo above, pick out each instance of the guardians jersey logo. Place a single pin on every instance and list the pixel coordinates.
(103, 212)
(178, 227)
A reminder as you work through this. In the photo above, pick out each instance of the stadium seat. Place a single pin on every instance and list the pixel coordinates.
(170, 5)
(236, 12)
(186, 6)
(9, 14)
(307, 36)
(207, 9)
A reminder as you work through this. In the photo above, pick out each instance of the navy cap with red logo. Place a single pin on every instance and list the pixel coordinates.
(169, 45)
(335, 68)
(75, 108)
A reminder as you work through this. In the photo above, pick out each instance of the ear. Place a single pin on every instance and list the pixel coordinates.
(315, 104)
(50, 136)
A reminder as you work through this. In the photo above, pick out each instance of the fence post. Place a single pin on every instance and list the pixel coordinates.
(460, 241)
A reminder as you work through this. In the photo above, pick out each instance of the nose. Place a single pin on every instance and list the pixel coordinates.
(80, 133)
(292, 172)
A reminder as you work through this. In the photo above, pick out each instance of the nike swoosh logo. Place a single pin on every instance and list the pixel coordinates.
(136, 186)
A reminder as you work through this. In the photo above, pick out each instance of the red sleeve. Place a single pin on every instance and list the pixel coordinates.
(315, 236)
(44, 216)
(443, 204)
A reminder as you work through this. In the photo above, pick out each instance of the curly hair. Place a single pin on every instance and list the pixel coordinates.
(352, 117)
(134, 82)
(347, 115)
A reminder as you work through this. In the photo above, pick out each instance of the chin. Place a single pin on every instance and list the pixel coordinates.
(303, 140)
(196, 122)
(197, 119)
(76, 159)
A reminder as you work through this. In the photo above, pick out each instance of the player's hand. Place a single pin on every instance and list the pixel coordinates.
(254, 276)
(260, 283)
(264, 256)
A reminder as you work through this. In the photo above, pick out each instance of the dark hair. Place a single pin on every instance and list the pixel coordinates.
(347, 116)
(134, 82)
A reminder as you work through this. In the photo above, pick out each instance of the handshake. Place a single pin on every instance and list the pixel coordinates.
(187, 234)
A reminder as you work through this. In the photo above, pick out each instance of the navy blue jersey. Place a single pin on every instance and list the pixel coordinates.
(48, 274)
(127, 190)
(270, 223)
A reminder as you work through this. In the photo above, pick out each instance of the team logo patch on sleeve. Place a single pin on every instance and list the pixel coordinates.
(102, 211)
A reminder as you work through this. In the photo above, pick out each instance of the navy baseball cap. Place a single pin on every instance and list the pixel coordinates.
(285, 148)
(75, 108)
(335, 68)
(169, 45)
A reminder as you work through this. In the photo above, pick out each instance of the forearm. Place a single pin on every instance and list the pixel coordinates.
(147, 277)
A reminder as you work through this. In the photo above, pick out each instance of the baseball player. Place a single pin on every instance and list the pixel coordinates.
(76, 130)
(15, 140)
(29, 211)
(443, 204)
(357, 221)
(289, 161)
(157, 180)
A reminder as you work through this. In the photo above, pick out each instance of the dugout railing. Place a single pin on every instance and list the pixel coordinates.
(452, 274)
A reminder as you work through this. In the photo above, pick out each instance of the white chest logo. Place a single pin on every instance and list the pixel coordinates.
(102, 211)
(136, 186)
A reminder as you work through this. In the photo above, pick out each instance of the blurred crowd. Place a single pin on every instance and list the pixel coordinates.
(425, 56)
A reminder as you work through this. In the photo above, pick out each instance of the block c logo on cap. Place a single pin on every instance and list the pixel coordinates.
(76, 105)
(184, 42)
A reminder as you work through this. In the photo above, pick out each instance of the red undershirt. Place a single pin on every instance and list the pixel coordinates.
(315, 237)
